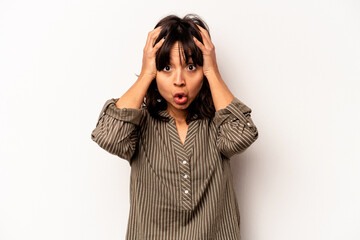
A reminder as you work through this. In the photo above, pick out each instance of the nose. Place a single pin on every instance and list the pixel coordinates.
(179, 80)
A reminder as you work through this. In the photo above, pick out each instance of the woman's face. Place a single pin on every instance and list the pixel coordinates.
(177, 78)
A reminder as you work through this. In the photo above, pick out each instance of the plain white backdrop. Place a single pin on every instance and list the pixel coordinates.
(296, 64)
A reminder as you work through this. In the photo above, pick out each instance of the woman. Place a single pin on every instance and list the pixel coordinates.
(178, 141)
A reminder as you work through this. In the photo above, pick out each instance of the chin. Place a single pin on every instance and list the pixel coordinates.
(182, 107)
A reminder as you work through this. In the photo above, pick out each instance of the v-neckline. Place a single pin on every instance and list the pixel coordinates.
(174, 132)
(186, 150)
(189, 138)
(186, 136)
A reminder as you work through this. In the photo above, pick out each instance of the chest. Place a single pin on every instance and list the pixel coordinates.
(167, 144)
(182, 130)
(178, 160)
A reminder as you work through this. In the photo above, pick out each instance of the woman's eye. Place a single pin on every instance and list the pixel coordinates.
(193, 67)
(166, 68)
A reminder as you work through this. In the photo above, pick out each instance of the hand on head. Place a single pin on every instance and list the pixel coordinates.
(149, 53)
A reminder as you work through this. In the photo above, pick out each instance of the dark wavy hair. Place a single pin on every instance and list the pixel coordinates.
(181, 30)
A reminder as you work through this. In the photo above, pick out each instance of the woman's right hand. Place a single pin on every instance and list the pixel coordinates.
(149, 53)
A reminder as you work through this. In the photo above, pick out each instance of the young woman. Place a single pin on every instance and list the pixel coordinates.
(179, 140)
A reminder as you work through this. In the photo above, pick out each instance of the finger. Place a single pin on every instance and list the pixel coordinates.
(155, 35)
(147, 42)
(205, 35)
(203, 30)
(199, 44)
(159, 44)
(149, 37)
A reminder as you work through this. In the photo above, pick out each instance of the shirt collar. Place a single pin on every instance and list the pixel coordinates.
(166, 114)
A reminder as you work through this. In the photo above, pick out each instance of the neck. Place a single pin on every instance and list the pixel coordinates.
(178, 115)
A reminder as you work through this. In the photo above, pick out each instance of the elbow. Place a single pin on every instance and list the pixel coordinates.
(231, 145)
(254, 134)
(94, 134)
(125, 151)
(123, 148)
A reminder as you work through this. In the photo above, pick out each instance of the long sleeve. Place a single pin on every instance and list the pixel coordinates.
(116, 130)
(235, 128)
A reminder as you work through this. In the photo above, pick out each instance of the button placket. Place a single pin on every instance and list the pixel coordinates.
(185, 183)
(183, 154)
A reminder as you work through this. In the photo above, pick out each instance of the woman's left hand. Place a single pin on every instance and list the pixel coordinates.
(208, 51)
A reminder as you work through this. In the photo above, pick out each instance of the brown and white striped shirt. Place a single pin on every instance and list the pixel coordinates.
(178, 191)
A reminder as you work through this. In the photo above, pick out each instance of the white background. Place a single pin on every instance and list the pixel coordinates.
(296, 64)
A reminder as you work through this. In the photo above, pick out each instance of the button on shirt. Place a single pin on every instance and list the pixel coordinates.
(178, 190)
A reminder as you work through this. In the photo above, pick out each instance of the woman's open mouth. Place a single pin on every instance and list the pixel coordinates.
(180, 98)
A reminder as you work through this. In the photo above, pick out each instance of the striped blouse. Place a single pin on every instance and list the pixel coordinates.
(178, 191)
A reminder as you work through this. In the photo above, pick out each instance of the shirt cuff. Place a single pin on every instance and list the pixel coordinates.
(131, 115)
(237, 108)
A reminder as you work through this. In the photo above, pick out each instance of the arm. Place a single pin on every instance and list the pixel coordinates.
(236, 131)
(134, 96)
(119, 120)
(235, 128)
(117, 127)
